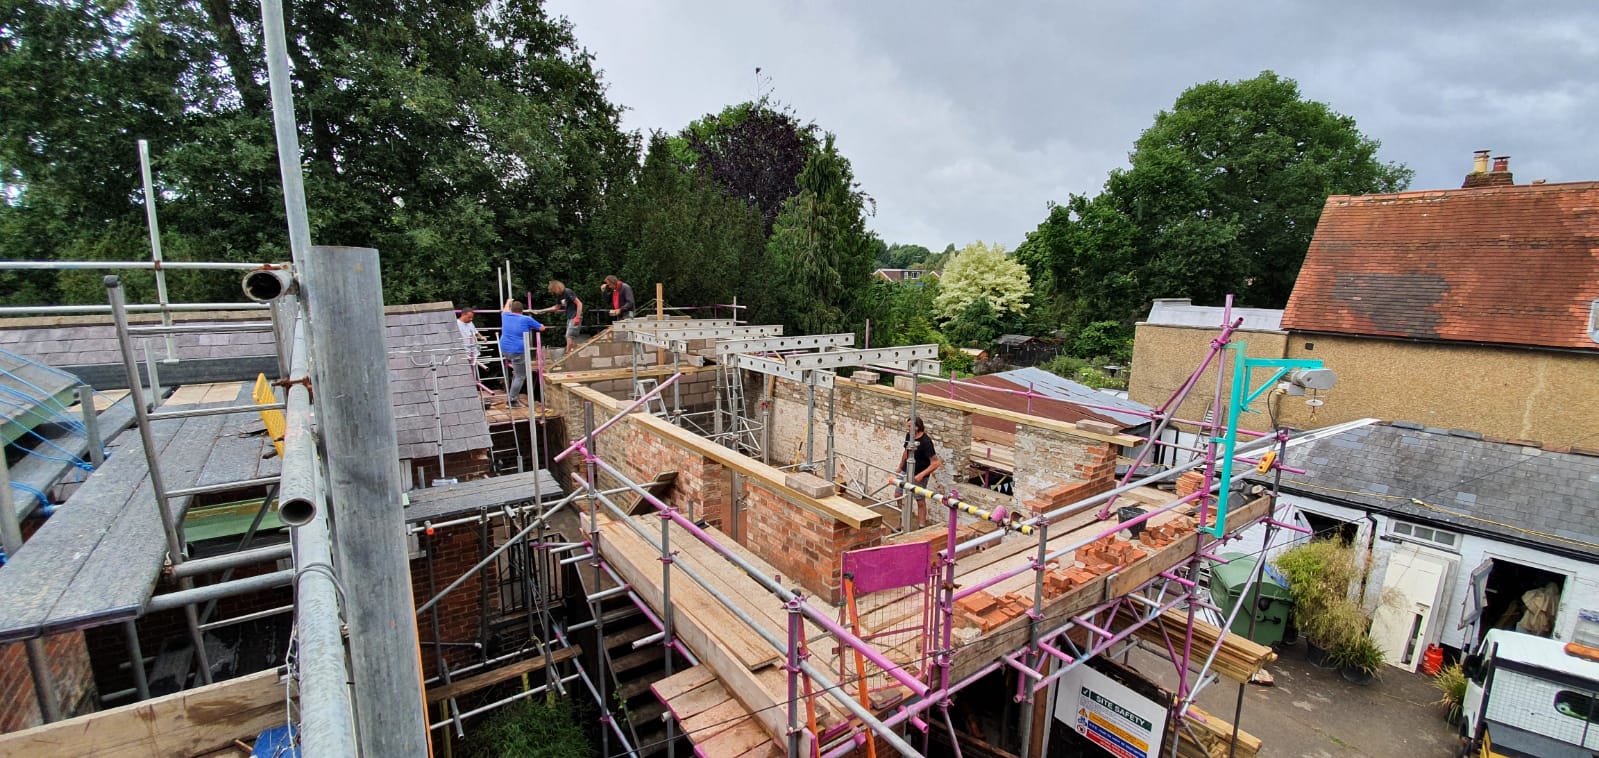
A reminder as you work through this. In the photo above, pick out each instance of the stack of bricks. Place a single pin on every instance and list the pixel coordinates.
(1190, 482)
(985, 612)
(1163, 534)
(1059, 581)
(1108, 554)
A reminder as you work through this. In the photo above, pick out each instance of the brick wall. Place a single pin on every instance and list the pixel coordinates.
(68, 659)
(1047, 460)
(465, 465)
(805, 546)
(454, 550)
(868, 426)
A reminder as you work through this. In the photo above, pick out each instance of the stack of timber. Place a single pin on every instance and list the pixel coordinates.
(1238, 660)
(1202, 735)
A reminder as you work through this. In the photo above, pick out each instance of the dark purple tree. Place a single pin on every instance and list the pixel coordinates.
(752, 150)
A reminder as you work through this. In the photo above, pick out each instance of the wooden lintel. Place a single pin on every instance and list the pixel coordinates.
(184, 724)
(611, 374)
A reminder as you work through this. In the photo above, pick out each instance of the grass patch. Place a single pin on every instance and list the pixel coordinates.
(534, 728)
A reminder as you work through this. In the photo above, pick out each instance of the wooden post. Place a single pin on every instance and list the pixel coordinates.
(344, 298)
(660, 315)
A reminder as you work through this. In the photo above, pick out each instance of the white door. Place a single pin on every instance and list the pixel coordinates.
(1412, 589)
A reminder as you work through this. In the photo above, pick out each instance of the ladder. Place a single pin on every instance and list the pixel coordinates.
(657, 405)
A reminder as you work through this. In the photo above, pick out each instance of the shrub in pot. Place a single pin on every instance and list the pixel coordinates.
(1319, 575)
(1359, 658)
(1451, 685)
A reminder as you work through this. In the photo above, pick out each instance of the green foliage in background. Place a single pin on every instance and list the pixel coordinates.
(983, 272)
(1223, 194)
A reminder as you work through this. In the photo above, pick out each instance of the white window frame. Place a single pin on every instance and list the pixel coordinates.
(1424, 534)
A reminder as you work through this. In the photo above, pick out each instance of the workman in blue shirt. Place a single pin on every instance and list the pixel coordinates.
(513, 343)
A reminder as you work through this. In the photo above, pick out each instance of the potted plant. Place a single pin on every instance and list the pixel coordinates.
(1359, 658)
(1451, 685)
(1319, 574)
(1337, 626)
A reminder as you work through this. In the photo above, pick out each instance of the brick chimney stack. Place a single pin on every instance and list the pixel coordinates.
(1482, 176)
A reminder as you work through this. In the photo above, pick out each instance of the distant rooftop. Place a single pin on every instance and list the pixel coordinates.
(1180, 311)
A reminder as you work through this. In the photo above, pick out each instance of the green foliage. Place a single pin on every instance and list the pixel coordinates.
(1223, 194)
(449, 135)
(822, 249)
(977, 325)
(902, 315)
(677, 227)
(753, 150)
(1358, 650)
(902, 256)
(982, 272)
(1319, 575)
(1450, 682)
(1109, 339)
(1084, 371)
(532, 728)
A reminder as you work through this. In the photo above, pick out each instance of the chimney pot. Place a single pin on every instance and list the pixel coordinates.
(1479, 162)
(1501, 164)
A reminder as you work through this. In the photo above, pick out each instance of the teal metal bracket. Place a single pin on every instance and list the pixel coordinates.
(1245, 392)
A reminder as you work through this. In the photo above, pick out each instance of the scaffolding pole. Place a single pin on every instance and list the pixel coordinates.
(344, 296)
(11, 540)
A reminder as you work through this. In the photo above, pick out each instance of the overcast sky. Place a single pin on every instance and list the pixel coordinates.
(963, 120)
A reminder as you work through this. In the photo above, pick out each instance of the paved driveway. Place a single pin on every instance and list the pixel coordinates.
(1314, 713)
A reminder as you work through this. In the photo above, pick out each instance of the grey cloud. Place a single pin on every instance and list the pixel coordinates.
(965, 120)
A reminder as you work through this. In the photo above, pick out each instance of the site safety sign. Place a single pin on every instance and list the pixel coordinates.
(1107, 713)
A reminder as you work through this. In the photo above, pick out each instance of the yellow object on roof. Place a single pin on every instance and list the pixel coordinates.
(273, 419)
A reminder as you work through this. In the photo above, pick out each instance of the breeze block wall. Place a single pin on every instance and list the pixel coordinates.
(67, 657)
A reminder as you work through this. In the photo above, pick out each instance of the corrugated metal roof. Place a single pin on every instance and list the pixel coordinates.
(1061, 388)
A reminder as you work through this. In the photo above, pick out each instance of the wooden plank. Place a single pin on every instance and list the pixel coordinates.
(741, 738)
(1004, 415)
(612, 374)
(460, 687)
(682, 682)
(768, 750)
(688, 597)
(762, 692)
(715, 720)
(698, 700)
(180, 725)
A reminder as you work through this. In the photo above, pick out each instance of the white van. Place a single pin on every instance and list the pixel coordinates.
(1526, 696)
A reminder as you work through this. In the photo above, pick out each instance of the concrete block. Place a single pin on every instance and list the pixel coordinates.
(865, 377)
(903, 383)
(811, 485)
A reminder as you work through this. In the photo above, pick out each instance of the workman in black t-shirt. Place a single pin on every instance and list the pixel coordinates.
(571, 311)
(926, 461)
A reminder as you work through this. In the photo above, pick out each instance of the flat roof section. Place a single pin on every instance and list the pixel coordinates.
(495, 492)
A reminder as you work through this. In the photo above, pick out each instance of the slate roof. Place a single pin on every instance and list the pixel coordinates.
(1509, 265)
(1180, 311)
(76, 341)
(1486, 487)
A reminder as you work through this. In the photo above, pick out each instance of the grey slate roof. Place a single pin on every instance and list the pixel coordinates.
(76, 341)
(1506, 488)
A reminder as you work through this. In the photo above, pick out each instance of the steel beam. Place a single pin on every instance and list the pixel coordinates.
(771, 367)
(767, 345)
(676, 323)
(702, 333)
(840, 358)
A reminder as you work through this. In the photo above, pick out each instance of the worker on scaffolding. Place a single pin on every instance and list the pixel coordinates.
(621, 297)
(471, 338)
(514, 327)
(926, 462)
(572, 308)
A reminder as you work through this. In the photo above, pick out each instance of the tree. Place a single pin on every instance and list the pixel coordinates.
(1222, 195)
(976, 325)
(449, 135)
(821, 245)
(678, 227)
(902, 256)
(754, 150)
(983, 272)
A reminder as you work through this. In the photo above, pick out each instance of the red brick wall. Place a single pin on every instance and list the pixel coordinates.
(454, 550)
(68, 659)
(804, 545)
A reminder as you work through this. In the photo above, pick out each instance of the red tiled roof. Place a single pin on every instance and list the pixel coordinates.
(1514, 265)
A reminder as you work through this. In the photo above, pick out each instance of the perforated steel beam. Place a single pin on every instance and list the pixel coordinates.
(632, 324)
(698, 333)
(808, 341)
(839, 358)
(774, 368)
